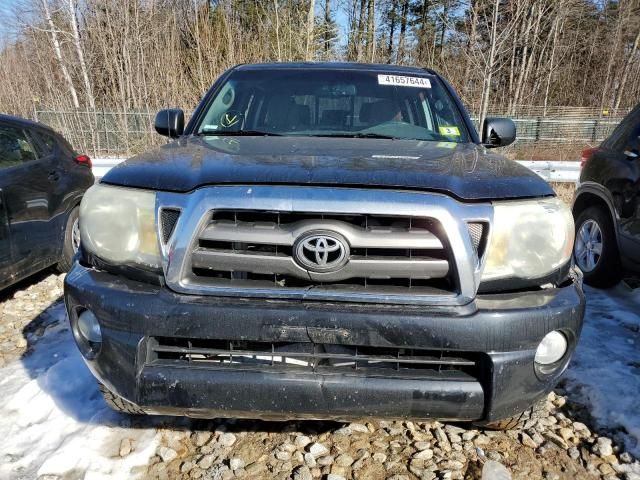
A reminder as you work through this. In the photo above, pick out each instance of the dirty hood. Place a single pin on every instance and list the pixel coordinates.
(465, 171)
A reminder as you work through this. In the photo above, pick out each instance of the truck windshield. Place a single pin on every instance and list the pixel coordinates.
(340, 103)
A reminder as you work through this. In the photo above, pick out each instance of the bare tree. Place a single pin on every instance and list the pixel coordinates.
(138, 55)
(633, 56)
(79, 51)
(371, 30)
(53, 32)
(403, 30)
(327, 26)
(310, 27)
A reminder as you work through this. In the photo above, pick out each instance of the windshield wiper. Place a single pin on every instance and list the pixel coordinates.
(239, 133)
(355, 135)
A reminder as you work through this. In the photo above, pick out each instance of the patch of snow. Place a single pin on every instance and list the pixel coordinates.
(605, 371)
(54, 421)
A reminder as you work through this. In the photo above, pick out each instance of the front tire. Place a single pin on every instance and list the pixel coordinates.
(119, 404)
(71, 241)
(596, 249)
(537, 410)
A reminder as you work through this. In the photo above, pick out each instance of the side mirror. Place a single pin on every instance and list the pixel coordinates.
(498, 132)
(170, 122)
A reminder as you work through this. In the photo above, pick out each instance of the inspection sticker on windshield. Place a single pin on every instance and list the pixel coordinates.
(401, 81)
(449, 131)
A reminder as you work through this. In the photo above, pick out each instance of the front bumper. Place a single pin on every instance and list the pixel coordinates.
(500, 331)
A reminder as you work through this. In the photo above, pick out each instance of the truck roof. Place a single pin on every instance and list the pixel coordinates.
(370, 67)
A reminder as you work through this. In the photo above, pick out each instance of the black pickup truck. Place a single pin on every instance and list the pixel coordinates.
(326, 240)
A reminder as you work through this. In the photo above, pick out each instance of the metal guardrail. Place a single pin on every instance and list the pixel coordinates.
(554, 171)
(101, 165)
(551, 171)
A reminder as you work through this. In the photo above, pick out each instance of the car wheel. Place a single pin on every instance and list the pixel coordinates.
(596, 250)
(537, 410)
(119, 404)
(71, 242)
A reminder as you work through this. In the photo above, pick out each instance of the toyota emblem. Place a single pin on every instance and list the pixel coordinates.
(322, 251)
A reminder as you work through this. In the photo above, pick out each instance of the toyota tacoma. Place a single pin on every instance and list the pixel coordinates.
(326, 240)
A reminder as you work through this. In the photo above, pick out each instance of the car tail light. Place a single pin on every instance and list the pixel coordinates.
(84, 160)
(587, 153)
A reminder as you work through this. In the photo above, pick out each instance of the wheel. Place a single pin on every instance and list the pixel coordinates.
(596, 250)
(119, 404)
(537, 410)
(71, 242)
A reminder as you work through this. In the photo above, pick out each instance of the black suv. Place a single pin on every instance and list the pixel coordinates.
(326, 241)
(607, 206)
(42, 180)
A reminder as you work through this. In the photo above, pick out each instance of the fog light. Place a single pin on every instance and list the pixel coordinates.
(89, 328)
(551, 349)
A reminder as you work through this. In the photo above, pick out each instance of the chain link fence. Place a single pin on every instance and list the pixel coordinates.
(104, 132)
(124, 133)
(561, 125)
(563, 130)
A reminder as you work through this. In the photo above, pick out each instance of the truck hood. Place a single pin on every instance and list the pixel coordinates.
(465, 171)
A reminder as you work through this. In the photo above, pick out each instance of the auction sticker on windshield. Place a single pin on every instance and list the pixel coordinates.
(402, 81)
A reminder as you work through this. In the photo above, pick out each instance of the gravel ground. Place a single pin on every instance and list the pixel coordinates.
(555, 446)
(22, 311)
(561, 444)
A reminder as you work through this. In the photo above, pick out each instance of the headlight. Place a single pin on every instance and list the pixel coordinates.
(118, 225)
(530, 239)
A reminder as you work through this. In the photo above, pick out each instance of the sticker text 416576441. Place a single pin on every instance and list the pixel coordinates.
(402, 81)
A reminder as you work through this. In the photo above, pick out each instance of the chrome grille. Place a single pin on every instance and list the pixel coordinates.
(256, 248)
(369, 215)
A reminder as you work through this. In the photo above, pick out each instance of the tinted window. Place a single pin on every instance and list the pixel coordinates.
(64, 143)
(47, 142)
(314, 102)
(15, 148)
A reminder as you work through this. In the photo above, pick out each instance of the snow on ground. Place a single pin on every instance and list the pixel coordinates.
(605, 371)
(53, 420)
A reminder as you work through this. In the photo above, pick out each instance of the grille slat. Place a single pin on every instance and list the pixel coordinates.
(244, 248)
(426, 360)
(274, 234)
(358, 267)
(313, 357)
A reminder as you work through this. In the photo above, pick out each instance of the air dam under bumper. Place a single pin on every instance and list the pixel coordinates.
(499, 333)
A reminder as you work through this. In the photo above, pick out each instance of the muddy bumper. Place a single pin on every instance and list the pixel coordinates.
(205, 356)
